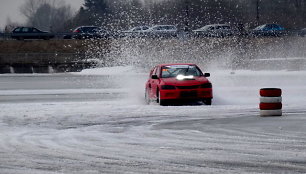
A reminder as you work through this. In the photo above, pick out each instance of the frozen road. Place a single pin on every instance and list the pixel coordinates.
(96, 122)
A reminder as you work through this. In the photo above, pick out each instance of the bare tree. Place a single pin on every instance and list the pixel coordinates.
(10, 25)
(47, 14)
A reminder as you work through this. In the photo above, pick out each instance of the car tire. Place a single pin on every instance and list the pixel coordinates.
(160, 101)
(207, 101)
(147, 98)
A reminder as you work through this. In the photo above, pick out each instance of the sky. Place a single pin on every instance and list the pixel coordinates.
(10, 9)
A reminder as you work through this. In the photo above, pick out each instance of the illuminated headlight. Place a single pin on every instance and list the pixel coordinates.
(167, 87)
(182, 77)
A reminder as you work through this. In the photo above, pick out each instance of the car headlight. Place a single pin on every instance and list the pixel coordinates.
(183, 77)
(167, 87)
(206, 85)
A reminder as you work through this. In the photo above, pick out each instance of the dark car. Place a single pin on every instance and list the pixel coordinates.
(302, 32)
(177, 82)
(90, 32)
(21, 33)
(161, 31)
(269, 30)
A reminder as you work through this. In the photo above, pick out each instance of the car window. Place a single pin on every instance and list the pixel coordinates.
(211, 28)
(25, 30)
(17, 30)
(90, 29)
(226, 27)
(175, 70)
(268, 27)
(260, 27)
(159, 28)
(35, 30)
(170, 27)
(154, 71)
(151, 72)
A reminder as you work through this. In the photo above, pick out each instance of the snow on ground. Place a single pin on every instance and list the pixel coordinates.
(121, 134)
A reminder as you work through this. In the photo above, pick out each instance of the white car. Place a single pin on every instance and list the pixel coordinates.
(135, 32)
(162, 31)
(214, 30)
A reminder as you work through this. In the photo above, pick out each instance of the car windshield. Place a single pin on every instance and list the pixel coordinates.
(260, 27)
(175, 70)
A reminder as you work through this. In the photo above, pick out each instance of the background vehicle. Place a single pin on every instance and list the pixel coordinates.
(268, 30)
(302, 32)
(214, 30)
(175, 82)
(21, 33)
(90, 32)
(135, 32)
(161, 31)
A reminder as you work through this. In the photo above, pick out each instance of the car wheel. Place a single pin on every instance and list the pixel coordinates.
(147, 97)
(207, 101)
(160, 101)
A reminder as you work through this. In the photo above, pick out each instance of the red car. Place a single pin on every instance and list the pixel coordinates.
(173, 82)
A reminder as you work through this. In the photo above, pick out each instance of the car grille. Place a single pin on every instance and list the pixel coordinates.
(187, 94)
(188, 87)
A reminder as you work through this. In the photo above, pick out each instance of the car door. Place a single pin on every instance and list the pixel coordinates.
(153, 83)
(149, 83)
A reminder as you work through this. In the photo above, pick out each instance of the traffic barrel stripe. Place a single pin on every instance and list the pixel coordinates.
(270, 106)
(270, 92)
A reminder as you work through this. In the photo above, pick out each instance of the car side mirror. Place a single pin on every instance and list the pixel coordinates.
(206, 74)
(154, 77)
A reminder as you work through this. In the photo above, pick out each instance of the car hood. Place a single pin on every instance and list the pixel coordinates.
(195, 81)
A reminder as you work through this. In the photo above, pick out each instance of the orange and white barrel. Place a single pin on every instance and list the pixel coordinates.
(270, 102)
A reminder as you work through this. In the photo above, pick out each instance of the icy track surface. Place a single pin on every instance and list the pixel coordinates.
(96, 122)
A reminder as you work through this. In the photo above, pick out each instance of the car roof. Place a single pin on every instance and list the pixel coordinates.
(89, 26)
(163, 25)
(218, 25)
(176, 64)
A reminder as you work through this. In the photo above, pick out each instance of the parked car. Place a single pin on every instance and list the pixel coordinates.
(135, 32)
(269, 30)
(302, 32)
(214, 30)
(90, 32)
(161, 31)
(21, 33)
(175, 82)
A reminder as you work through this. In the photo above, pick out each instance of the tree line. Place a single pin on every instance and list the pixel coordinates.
(57, 16)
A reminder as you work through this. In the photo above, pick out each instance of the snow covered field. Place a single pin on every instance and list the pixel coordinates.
(96, 122)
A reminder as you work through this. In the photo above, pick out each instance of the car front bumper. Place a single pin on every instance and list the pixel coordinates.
(194, 94)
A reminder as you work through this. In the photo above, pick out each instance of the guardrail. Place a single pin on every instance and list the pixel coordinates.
(41, 58)
(7, 36)
(61, 35)
(44, 62)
